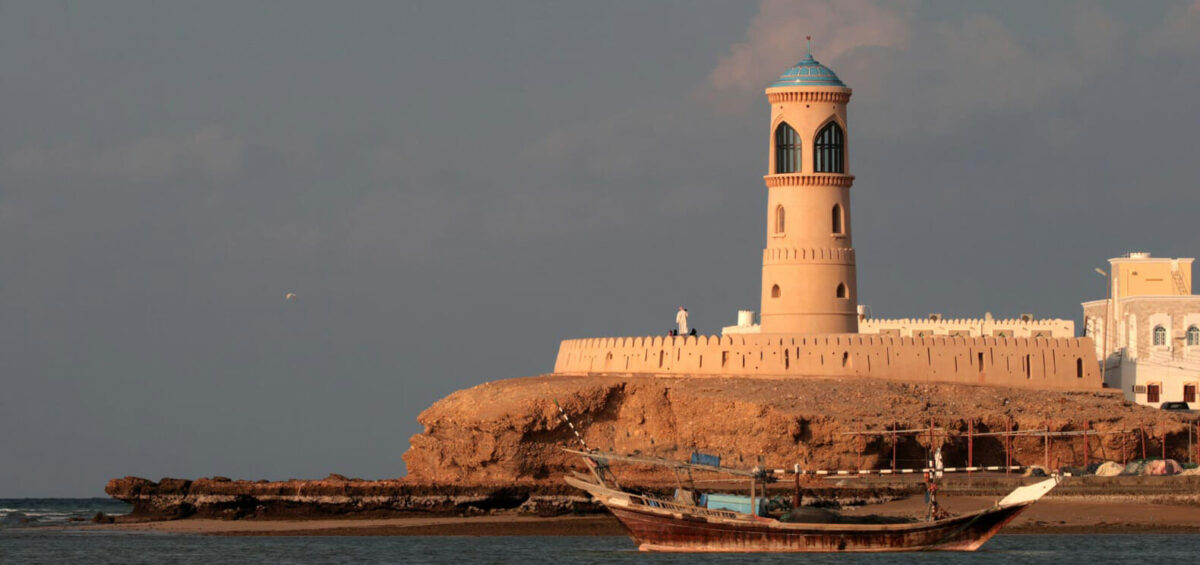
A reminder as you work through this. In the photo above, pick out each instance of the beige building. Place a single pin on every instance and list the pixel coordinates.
(1148, 333)
(810, 323)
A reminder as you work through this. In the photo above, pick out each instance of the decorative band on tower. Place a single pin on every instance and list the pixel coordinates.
(809, 281)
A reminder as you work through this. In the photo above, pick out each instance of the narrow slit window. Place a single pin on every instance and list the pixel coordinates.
(779, 219)
(842, 292)
(775, 291)
(837, 219)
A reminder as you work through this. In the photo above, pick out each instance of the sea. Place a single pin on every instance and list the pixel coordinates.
(55, 538)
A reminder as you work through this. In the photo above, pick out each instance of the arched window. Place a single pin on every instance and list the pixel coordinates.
(779, 219)
(841, 291)
(775, 291)
(829, 150)
(1160, 335)
(787, 149)
(837, 219)
(1193, 335)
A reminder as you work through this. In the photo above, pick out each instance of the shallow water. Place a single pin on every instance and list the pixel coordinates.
(102, 547)
(33, 512)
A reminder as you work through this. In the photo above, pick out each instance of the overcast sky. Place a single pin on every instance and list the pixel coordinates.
(451, 188)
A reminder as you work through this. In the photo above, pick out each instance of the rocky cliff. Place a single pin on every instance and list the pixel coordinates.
(511, 431)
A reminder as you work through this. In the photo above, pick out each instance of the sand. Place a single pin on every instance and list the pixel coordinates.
(1049, 516)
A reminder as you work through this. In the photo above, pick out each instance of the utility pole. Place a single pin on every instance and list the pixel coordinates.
(1107, 309)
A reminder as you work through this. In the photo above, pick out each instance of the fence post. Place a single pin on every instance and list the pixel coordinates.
(1008, 448)
(1087, 427)
(1143, 430)
(894, 426)
(1046, 442)
(1124, 440)
(970, 446)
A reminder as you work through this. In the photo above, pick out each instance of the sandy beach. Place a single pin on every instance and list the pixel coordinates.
(1050, 516)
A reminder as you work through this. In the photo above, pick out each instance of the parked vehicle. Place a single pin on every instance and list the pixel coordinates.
(1176, 406)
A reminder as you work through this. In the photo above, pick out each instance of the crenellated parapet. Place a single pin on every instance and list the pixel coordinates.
(1042, 363)
(1044, 322)
(998, 327)
(819, 255)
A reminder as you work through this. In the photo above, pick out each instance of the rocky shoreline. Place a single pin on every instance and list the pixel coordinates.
(496, 448)
(219, 497)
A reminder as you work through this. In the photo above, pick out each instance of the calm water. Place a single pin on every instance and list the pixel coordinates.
(46, 546)
(25, 538)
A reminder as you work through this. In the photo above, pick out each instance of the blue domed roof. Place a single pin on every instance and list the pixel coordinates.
(808, 72)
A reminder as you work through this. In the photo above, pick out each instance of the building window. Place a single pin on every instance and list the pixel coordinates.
(779, 219)
(787, 149)
(842, 291)
(775, 291)
(838, 225)
(829, 150)
(1189, 394)
(1152, 394)
(1160, 335)
(1193, 335)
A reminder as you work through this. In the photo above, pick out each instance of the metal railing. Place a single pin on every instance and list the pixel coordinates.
(655, 502)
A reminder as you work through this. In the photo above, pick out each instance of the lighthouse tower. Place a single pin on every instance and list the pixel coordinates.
(808, 277)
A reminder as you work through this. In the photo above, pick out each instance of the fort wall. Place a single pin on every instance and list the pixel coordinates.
(1041, 363)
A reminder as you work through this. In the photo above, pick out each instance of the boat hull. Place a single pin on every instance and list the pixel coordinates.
(656, 530)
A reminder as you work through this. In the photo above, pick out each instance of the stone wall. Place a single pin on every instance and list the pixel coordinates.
(1054, 363)
(968, 327)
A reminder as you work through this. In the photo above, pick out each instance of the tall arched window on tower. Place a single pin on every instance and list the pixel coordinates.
(829, 150)
(787, 149)
(779, 219)
(838, 225)
(1160, 335)
(775, 291)
(842, 292)
(1193, 335)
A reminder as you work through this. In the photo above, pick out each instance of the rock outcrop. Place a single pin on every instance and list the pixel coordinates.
(334, 496)
(510, 431)
(497, 446)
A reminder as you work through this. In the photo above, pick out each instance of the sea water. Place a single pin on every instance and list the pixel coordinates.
(32, 512)
(106, 547)
(51, 543)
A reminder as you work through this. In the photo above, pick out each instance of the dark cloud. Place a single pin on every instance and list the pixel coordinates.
(450, 189)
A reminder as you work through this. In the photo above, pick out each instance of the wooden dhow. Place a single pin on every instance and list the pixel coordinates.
(681, 525)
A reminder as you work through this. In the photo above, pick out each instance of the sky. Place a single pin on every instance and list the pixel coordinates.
(450, 188)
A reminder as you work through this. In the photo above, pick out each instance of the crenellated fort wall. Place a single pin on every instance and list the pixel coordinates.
(1053, 363)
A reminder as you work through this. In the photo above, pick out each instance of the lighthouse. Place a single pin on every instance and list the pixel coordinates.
(808, 275)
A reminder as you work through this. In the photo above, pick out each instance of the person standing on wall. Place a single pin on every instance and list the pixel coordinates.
(681, 320)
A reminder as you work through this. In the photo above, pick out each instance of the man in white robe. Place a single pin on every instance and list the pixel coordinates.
(681, 320)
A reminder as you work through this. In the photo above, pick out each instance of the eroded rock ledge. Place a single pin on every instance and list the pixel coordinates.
(333, 496)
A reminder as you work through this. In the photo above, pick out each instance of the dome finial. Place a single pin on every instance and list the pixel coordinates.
(809, 38)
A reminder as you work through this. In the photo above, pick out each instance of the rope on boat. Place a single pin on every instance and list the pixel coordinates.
(563, 413)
